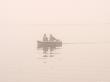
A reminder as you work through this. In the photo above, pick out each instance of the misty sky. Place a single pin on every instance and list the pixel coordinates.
(55, 11)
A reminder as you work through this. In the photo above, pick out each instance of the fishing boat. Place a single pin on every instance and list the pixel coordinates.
(53, 42)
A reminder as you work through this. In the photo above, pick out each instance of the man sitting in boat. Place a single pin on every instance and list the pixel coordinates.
(52, 38)
(45, 38)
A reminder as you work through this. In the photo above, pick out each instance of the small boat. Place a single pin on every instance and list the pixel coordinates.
(49, 43)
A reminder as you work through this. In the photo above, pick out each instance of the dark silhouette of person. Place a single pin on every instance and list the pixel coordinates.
(52, 38)
(45, 38)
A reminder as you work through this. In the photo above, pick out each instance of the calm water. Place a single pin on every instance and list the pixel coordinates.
(86, 60)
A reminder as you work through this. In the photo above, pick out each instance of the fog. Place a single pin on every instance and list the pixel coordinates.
(85, 24)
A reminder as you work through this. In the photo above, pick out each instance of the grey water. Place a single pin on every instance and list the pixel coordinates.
(86, 59)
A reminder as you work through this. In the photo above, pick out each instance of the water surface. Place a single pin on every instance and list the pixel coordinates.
(86, 60)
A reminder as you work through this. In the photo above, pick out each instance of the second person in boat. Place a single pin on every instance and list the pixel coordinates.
(52, 38)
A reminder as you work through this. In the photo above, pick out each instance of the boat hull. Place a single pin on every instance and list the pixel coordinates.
(49, 44)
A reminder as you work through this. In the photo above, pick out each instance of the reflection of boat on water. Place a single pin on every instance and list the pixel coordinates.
(48, 47)
(49, 44)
